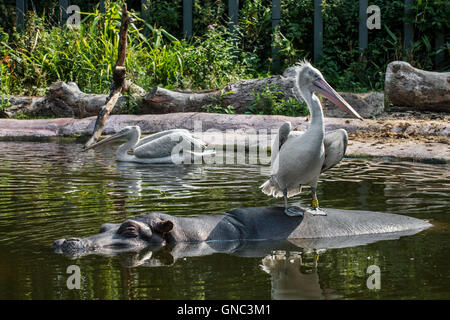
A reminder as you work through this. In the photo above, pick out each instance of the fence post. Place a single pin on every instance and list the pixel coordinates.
(233, 13)
(408, 31)
(318, 30)
(438, 44)
(63, 5)
(102, 6)
(21, 9)
(145, 14)
(276, 17)
(363, 32)
(187, 18)
(145, 10)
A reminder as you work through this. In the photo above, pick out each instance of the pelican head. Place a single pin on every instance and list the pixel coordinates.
(127, 133)
(310, 80)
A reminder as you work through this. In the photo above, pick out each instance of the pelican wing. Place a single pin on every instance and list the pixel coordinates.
(157, 135)
(335, 143)
(162, 146)
(280, 139)
(283, 133)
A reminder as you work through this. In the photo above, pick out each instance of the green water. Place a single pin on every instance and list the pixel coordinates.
(52, 190)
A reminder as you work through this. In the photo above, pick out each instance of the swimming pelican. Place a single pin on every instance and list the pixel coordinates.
(155, 148)
(302, 158)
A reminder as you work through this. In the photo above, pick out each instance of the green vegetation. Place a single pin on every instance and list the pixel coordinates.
(4, 103)
(271, 101)
(42, 53)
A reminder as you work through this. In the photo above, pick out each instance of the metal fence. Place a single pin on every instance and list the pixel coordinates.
(233, 13)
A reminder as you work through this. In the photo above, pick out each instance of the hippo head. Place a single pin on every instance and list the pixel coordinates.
(131, 235)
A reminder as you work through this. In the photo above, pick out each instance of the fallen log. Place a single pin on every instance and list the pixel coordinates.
(238, 94)
(66, 100)
(415, 89)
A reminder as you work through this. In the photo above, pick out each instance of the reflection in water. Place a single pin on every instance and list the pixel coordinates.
(165, 177)
(50, 191)
(291, 279)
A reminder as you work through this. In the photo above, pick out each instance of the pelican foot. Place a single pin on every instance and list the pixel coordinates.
(294, 211)
(316, 211)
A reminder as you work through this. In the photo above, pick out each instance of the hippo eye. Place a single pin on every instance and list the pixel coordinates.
(128, 230)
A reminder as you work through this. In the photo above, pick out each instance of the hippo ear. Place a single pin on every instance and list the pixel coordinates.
(164, 226)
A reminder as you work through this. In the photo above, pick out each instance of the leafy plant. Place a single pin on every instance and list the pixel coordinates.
(217, 108)
(4, 103)
(272, 101)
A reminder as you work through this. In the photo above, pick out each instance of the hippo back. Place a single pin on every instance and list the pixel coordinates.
(271, 223)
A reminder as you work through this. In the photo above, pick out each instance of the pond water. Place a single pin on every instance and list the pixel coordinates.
(52, 190)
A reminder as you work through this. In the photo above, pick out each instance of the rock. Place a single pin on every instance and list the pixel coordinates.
(367, 104)
(416, 89)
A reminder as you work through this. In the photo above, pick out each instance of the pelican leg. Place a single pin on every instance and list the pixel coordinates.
(316, 255)
(291, 211)
(315, 259)
(315, 209)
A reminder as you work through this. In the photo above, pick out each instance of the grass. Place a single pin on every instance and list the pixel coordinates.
(42, 54)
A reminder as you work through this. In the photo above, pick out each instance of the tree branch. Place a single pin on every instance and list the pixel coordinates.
(118, 80)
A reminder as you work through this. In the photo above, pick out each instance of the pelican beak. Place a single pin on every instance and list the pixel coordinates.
(110, 139)
(325, 89)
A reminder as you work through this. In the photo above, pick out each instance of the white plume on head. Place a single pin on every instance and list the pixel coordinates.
(298, 68)
(301, 64)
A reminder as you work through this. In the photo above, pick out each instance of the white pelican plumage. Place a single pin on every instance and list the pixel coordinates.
(302, 158)
(155, 148)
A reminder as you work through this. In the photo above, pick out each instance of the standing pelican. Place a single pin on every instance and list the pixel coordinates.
(155, 148)
(302, 158)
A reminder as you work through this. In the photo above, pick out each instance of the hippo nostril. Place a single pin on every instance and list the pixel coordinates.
(57, 244)
(72, 244)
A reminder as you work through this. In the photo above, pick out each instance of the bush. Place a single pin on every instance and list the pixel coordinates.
(41, 54)
(30, 60)
(271, 101)
(342, 62)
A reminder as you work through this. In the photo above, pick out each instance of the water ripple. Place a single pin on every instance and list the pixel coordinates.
(50, 189)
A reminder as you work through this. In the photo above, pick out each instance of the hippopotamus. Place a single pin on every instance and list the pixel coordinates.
(227, 232)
